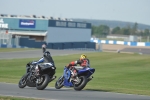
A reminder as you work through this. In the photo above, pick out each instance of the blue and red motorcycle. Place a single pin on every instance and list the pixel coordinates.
(79, 81)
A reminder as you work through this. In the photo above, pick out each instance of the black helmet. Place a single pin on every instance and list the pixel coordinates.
(46, 54)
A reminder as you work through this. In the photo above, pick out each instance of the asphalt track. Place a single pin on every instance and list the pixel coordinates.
(65, 94)
(137, 50)
(51, 93)
(37, 53)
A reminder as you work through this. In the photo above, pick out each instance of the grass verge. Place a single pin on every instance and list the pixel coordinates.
(16, 98)
(115, 72)
(15, 49)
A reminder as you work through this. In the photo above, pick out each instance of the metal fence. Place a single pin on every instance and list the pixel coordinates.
(7, 38)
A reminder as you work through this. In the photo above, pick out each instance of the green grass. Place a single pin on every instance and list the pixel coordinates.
(14, 49)
(117, 39)
(16, 98)
(115, 72)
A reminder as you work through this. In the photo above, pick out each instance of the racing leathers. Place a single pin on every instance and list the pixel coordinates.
(44, 63)
(73, 65)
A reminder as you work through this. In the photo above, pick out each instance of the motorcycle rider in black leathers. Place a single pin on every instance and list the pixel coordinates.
(43, 63)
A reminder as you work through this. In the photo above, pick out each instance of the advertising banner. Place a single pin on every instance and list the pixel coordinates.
(2, 24)
(27, 23)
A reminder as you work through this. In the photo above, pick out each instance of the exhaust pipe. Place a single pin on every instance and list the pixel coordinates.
(90, 78)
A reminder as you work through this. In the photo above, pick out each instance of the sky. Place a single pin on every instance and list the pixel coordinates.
(119, 10)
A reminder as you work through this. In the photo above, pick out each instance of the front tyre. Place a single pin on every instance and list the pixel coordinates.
(42, 82)
(81, 83)
(22, 83)
(59, 83)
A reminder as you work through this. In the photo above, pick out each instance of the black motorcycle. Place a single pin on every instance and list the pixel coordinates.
(32, 79)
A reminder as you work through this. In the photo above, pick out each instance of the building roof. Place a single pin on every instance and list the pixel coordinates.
(35, 33)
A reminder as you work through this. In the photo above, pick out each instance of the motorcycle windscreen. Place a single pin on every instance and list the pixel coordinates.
(41, 60)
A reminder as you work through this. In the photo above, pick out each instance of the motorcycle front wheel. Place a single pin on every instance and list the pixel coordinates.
(42, 82)
(59, 83)
(81, 83)
(22, 83)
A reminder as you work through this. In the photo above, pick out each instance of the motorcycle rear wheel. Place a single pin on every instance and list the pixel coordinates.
(43, 84)
(78, 86)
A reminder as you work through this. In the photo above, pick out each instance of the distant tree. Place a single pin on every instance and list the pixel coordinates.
(94, 30)
(103, 29)
(100, 30)
(146, 32)
(125, 31)
(134, 29)
(130, 29)
(116, 30)
(141, 33)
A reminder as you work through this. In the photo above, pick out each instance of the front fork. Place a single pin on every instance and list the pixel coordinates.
(58, 81)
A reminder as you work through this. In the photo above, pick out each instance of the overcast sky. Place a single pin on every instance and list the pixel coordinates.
(121, 10)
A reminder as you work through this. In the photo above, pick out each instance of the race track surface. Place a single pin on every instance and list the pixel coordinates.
(126, 48)
(137, 50)
(64, 94)
(37, 53)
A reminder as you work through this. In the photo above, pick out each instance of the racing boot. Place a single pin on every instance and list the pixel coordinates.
(54, 77)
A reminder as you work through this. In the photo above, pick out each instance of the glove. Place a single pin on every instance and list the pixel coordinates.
(67, 66)
(29, 63)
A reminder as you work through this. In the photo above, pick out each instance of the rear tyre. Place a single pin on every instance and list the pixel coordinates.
(59, 83)
(42, 84)
(22, 83)
(81, 84)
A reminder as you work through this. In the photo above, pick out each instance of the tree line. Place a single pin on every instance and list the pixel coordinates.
(129, 30)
